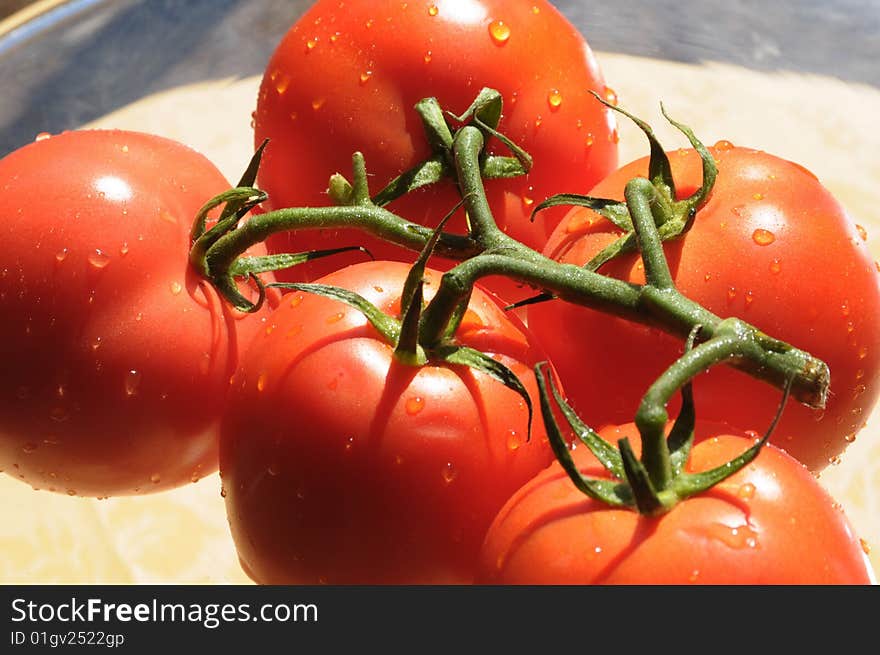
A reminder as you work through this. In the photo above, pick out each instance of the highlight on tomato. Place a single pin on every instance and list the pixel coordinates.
(116, 354)
(349, 458)
(730, 510)
(772, 246)
(347, 79)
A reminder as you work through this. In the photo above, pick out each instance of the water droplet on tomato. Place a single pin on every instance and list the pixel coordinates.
(723, 145)
(844, 308)
(296, 300)
(859, 390)
(311, 44)
(750, 298)
(176, 288)
(538, 121)
(261, 382)
(335, 318)
(763, 237)
(741, 536)
(29, 447)
(432, 10)
(124, 249)
(835, 461)
(273, 469)
(611, 96)
(42, 136)
(863, 352)
(270, 329)
(695, 574)
(414, 405)
(614, 137)
(428, 56)
(554, 99)
(850, 327)
(365, 77)
(746, 491)
(349, 444)
(449, 473)
(59, 414)
(195, 476)
(281, 83)
(514, 441)
(155, 478)
(499, 31)
(863, 233)
(99, 259)
(317, 103)
(132, 382)
(335, 37)
(775, 266)
(589, 140)
(527, 201)
(731, 294)
(61, 255)
(71, 492)
(758, 196)
(223, 492)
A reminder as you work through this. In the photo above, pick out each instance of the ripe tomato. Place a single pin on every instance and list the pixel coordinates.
(769, 523)
(342, 465)
(116, 356)
(346, 76)
(771, 246)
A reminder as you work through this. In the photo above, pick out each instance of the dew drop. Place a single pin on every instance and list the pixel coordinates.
(42, 136)
(273, 469)
(261, 382)
(449, 473)
(513, 440)
(155, 478)
(863, 352)
(863, 233)
(58, 414)
(311, 44)
(611, 96)
(746, 491)
(428, 56)
(223, 492)
(195, 477)
(835, 461)
(589, 140)
(176, 288)
(741, 536)
(365, 77)
(270, 329)
(844, 308)
(349, 444)
(538, 121)
(281, 84)
(432, 10)
(758, 196)
(61, 255)
(763, 237)
(335, 318)
(29, 447)
(317, 103)
(124, 249)
(750, 298)
(292, 332)
(723, 145)
(99, 259)
(132, 382)
(499, 31)
(296, 300)
(527, 201)
(369, 23)
(866, 548)
(775, 267)
(731, 294)
(414, 405)
(859, 390)
(71, 492)
(614, 137)
(695, 574)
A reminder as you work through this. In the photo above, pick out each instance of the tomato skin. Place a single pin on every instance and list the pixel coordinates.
(347, 80)
(771, 246)
(770, 523)
(116, 355)
(341, 465)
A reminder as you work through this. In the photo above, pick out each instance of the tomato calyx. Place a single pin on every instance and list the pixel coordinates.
(672, 217)
(655, 483)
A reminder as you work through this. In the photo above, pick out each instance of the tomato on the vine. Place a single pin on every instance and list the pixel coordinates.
(769, 523)
(341, 464)
(116, 355)
(346, 79)
(771, 246)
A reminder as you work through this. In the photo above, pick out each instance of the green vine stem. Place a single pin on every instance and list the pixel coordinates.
(489, 251)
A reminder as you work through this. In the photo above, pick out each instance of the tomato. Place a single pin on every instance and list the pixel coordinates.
(771, 246)
(769, 523)
(342, 465)
(116, 355)
(346, 77)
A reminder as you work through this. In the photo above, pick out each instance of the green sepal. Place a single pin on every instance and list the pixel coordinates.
(245, 265)
(710, 170)
(486, 108)
(434, 123)
(495, 167)
(614, 210)
(248, 178)
(611, 492)
(605, 452)
(646, 499)
(428, 172)
(387, 326)
(466, 356)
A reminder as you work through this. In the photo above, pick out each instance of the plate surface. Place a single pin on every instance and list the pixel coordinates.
(778, 80)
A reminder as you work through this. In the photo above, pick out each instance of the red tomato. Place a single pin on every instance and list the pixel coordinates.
(342, 465)
(345, 78)
(769, 523)
(771, 246)
(116, 356)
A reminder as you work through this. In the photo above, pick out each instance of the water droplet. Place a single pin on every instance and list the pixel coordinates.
(723, 145)
(296, 300)
(614, 137)
(514, 441)
(311, 44)
(844, 308)
(155, 478)
(695, 574)
(763, 237)
(536, 9)
(132, 382)
(29, 447)
(835, 461)
(859, 390)
(499, 31)
(281, 83)
(866, 548)
(61, 255)
(398, 459)
(414, 405)
(850, 327)
(335, 318)
(611, 96)
(589, 140)
(527, 201)
(775, 267)
(449, 473)
(261, 382)
(741, 536)
(99, 259)
(270, 329)
(428, 56)
(554, 99)
(349, 444)
(176, 287)
(746, 491)
(317, 103)
(195, 477)
(432, 10)
(273, 469)
(758, 196)
(369, 23)
(731, 294)
(365, 77)
(863, 233)
(223, 492)
(863, 352)
(124, 249)
(58, 414)
(538, 121)
(335, 37)
(860, 374)
(71, 492)
(750, 298)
